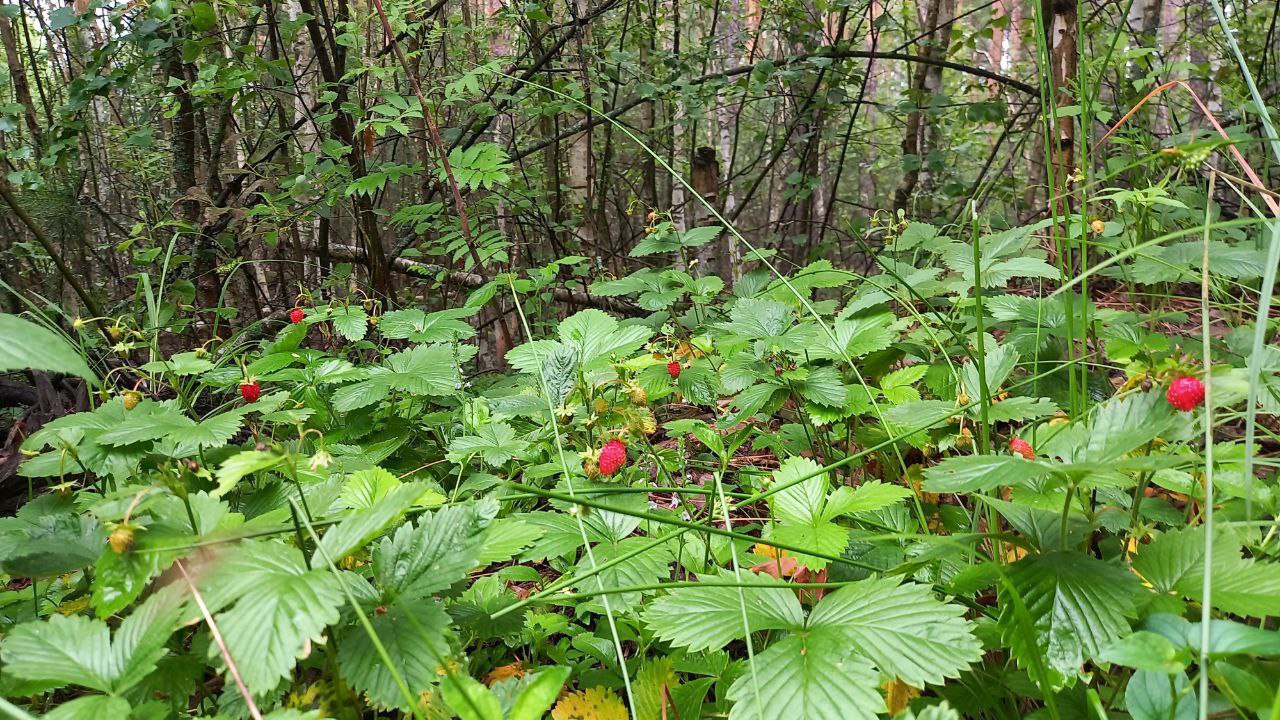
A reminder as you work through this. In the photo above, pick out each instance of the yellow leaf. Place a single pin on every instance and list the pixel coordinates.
(897, 695)
(502, 672)
(594, 704)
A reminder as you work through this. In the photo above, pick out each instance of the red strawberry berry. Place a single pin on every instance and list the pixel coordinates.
(296, 315)
(612, 456)
(250, 391)
(1185, 393)
(1018, 446)
(673, 369)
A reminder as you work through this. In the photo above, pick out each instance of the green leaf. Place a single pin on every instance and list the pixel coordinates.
(65, 650)
(1152, 696)
(30, 346)
(823, 386)
(421, 559)
(244, 463)
(1146, 650)
(181, 364)
(647, 568)
(418, 326)
(76, 650)
(1079, 606)
(495, 443)
(870, 495)
(596, 336)
(824, 538)
(470, 700)
(816, 677)
(351, 322)
(800, 501)
(272, 588)
(119, 578)
(538, 694)
(1123, 424)
(213, 431)
(901, 628)
(62, 18)
(361, 526)
(505, 538)
(856, 337)
(363, 488)
(708, 618)
(980, 473)
(47, 537)
(424, 370)
(91, 707)
(1175, 562)
(560, 373)
(415, 634)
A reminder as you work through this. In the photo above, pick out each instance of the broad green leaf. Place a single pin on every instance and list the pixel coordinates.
(91, 707)
(980, 473)
(1174, 562)
(1146, 650)
(351, 322)
(710, 617)
(272, 588)
(1123, 424)
(65, 650)
(416, 636)
(901, 628)
(244, 463)
(470, 700)
(654, 683)
(1079, 606)
(363, 525)
(646, 568)
(365, 487)
(999, 362)
(800, 501)
(866, 497)
(47, 537)
(855, 337)
(76, 650)
(119, 578)
(814, 676)
(823, 386)
(417, 560)
(181, 364)
(495, 443)
(418, 326)
(31, 346)
(1160, 696)
(424, 370)
(560, 373)
(596, 336)
(822, 537)
(538, 694)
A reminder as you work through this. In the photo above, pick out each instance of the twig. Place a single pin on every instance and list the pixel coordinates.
(222, 646)
(433, 132)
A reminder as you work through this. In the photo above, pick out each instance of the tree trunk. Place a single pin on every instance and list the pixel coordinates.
(914, 137)
(1060, 27)
(18, 75)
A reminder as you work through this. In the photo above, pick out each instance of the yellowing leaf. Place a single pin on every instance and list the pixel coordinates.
(502, 672)
(594, 704)
(897, 694)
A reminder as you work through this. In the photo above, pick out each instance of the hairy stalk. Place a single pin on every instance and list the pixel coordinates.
(222, 645)
(1206, 588)
(360, 614)
(572, 497)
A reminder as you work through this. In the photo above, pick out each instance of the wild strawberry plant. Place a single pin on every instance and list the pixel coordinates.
(829, 497)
